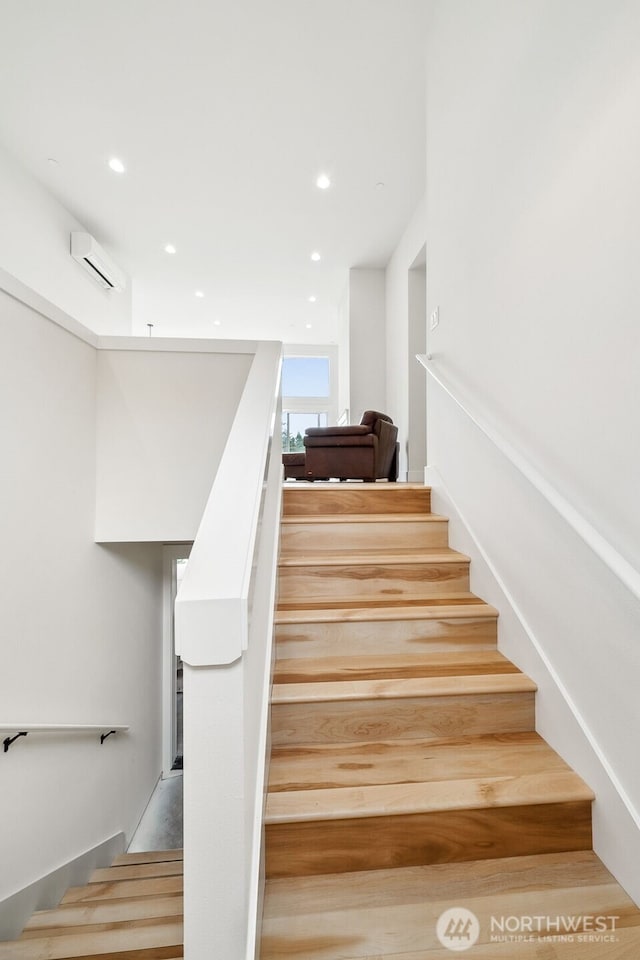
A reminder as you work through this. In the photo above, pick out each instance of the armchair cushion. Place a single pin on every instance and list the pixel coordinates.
(357, 430)
(370, 417)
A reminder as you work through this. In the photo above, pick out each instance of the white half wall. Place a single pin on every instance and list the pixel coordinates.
(164, 416)
(34, 247)
(533, 202)
(81, 623)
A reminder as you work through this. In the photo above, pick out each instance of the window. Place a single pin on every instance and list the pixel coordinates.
(294, 426)
(306, 377)
(309, 392)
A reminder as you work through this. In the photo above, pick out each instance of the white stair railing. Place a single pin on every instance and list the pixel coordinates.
(224, 617)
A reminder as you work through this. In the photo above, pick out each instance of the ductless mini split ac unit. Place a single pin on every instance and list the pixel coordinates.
(98, 264)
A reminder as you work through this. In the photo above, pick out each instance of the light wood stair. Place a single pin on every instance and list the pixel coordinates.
(393, 913)
(129, 911)
(406, 775)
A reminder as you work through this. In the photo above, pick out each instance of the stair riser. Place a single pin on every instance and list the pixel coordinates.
(168, 868)
(307, 538)
(385, 637)
(314, 500)
(338, 846)
(426, 580)
(408, 718)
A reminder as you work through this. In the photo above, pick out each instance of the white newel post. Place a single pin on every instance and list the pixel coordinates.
(214, 812)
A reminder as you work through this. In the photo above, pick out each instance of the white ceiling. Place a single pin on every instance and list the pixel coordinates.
(224, 114)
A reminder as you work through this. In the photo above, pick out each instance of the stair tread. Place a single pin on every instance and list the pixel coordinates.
(432, 608)
(323, 518)
(121, 889)
(104, 911)
(627, 947)
(454, 686)
(337, 765)
(138, 935)
(127, 925)
(373, 555)
(393, 799)
(391, 666)
(383, 606)
(392, 913)
(433, 882)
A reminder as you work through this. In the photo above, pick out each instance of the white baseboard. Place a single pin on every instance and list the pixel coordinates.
(416, 476)
(46, 892)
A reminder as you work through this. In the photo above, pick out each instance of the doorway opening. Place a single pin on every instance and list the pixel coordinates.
(175, 558)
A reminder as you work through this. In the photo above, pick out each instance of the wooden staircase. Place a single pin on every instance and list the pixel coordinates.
(131, 910)
(406, 775)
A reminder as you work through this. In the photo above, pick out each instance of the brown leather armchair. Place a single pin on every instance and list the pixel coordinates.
(366, 451)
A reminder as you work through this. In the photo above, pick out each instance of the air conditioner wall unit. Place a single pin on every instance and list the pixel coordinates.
(98, 264)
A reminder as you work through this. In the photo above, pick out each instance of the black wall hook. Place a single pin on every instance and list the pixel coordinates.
(9, 740)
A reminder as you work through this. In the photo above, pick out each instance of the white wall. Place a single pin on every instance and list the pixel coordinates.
(417, 424)
(344, 381)
(163, 420)
(367, 362)
(80, 637)
(400, 362)
(34, 247)
(533, 200)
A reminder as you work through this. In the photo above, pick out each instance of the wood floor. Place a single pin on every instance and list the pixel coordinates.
(406, 776)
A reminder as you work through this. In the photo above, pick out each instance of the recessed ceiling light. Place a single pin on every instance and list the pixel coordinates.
(315, 256)
(379, 185)
(116, 165)
(169, 248)
(308, 326)
(217, 323)
(323, 182)
(312, 299)
(199, 294)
